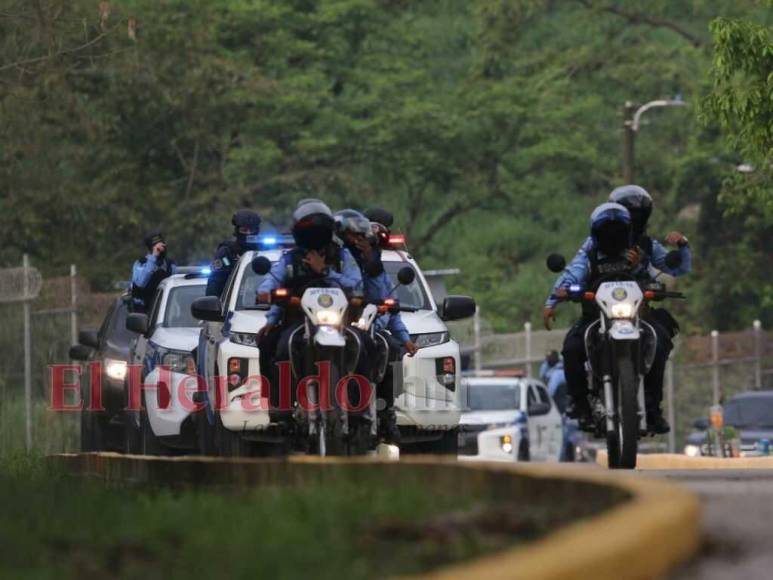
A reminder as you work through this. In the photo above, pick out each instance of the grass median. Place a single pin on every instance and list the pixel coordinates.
(56, 526)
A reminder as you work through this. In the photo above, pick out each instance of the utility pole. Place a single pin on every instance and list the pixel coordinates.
(631, 119)
(629, 109)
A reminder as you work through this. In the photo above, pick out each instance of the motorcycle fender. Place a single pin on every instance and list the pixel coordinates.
(329, 336)
(623, 330)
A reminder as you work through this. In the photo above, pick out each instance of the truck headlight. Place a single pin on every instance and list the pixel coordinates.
(328, 317)
(115, 369)
(506, 443)
(245, 338)
(430, 339)
(622, 310)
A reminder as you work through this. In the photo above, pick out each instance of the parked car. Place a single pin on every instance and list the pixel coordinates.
(509, 419)
(428, 403)
(165, 339)
(750, 413)
(110, 346)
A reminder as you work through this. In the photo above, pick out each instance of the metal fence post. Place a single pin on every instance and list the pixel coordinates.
(715, 366)
(757, 355)
(527, 336)
(27, 357)
(671, 404)
(478, 348)
(73, 304)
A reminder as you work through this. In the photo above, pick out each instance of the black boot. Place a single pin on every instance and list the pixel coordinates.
(656, 422)
(387, 427)
(580, 409)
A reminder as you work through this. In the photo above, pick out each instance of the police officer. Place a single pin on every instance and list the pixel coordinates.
(355, 230)
(651, 253)
(612, 252)
(246, 229)
(149, 271)
(551, 373)
(316, 258)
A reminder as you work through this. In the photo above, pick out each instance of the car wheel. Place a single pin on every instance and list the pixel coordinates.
(132, 442)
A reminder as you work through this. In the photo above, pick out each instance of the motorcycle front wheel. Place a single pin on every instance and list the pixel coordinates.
(623, 442)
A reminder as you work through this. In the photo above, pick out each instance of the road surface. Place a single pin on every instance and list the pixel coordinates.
(737, 523)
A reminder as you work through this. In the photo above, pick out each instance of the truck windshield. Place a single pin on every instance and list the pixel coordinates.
(411, 297)
(178, 306)
(493, 397)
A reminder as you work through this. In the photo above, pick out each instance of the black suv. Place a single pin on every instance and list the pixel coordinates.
(109, 345)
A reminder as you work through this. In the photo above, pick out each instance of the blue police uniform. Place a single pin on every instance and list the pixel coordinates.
(348, 279)
(147, 274)
(578, 270)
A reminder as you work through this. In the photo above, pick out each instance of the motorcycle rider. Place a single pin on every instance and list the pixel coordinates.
(149, 271)
(612, 252)
(246, 224)
(356, 232)
(651, 252)
(316, 258)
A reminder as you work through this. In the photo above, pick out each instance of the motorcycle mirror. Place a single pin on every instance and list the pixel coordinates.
(673, 259)
(556, 263)
(406, 276)
(261, 265)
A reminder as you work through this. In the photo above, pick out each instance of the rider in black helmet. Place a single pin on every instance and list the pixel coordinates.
(246, 229)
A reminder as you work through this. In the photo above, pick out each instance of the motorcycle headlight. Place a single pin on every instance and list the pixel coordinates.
(328, 317)
(430, 339)
(179, 361)
(692, 451)
(115, 369)
(622, 310)
(245, 338)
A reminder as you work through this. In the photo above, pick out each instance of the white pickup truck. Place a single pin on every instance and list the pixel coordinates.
(427, 399)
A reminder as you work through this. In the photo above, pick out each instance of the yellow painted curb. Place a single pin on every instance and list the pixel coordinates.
(675, 461)
(641, 538)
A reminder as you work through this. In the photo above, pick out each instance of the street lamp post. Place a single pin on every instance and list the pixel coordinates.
(632, 118)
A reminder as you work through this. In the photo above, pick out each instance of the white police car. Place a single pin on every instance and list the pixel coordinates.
(508, 419)
(167, 336)
(427, 399)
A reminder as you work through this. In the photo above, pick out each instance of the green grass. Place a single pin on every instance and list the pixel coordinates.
(55, 526)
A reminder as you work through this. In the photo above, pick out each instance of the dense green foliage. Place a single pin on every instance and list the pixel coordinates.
(491, 127)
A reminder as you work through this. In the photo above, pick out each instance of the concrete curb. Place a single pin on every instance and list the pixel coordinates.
(644, 536)
(675, 461)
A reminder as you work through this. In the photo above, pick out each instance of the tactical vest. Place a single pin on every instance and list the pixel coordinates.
(602, 267)
(145, 294)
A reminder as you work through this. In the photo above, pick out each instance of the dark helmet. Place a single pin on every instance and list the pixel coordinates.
(379, 216)
(350, 220)
(313, 224)
(246, 218)
(610, 228)
(153, 238)
(637, 201)
(552, 358)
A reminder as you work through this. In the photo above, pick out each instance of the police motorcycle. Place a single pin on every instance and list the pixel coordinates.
(335, 410)
(621, 350)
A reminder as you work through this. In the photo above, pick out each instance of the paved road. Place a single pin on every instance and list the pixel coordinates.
(737, 523)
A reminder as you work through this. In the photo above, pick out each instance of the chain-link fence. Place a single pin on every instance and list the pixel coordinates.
(51, 318)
